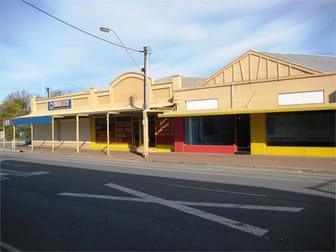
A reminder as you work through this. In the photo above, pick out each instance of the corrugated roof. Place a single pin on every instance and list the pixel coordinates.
(187, 82)
(320, 63)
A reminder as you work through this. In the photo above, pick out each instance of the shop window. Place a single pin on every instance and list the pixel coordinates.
(120, 130)
(164, 131)
(314, 128)
(101, 130)
(209, 130)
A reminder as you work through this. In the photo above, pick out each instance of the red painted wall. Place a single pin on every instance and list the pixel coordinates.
(179, 134)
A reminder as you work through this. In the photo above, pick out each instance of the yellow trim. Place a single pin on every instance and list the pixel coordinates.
(113, 146)
(258, 134)
(163, 148)
(232, 112)
(329, 152)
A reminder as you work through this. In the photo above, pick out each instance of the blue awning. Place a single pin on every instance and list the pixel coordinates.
(32, 120)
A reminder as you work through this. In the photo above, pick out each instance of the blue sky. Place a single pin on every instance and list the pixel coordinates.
(191, 38)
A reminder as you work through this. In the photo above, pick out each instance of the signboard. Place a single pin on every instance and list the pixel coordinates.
(202, 104)
(301, 98)
(60, 104)
(164, 132)
(7, 122)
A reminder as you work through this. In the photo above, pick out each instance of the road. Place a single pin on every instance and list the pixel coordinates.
(70, 203)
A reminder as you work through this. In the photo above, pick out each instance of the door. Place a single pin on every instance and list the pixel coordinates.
(243, 133)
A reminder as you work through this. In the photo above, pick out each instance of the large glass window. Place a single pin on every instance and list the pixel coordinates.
(120, 129)
(314, 128)
(209, 130)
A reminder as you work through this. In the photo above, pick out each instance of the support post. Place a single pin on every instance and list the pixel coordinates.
(77, 134)
(32, 136)
(13, 142)
(53, 134)
(4, 135)
(146, 104)
(145, 134)
(108, 133)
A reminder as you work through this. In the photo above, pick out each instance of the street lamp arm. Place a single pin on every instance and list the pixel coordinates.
(107, 30)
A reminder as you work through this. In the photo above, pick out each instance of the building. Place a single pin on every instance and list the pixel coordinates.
(261, 103)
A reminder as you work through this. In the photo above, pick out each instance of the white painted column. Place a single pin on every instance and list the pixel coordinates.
(13, 142)
(32, 136)
(53, 134)
(108, 133)
(77, 134)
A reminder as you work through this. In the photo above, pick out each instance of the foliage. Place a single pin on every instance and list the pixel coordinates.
(15, 104)
(56, 92)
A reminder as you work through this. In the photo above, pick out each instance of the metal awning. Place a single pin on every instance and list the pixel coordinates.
(32, 120)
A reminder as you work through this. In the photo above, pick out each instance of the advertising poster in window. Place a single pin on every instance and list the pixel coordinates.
(164, 132)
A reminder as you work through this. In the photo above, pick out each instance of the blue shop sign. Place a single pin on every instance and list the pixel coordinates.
(60, 104)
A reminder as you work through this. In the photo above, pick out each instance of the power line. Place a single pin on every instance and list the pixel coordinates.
(79, 29)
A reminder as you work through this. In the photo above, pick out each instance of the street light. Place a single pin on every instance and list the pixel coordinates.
(146, 88)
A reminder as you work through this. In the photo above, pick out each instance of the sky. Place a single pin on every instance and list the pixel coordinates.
(191, 38)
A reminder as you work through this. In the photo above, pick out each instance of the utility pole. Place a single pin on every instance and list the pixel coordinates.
(146, 105)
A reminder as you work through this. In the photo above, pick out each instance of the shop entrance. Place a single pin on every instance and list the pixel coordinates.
(136, 132)
(243, 134)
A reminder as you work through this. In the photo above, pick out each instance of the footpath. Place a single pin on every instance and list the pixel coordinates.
(325, 165)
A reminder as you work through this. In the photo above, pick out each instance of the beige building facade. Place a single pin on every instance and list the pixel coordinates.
(260, 103)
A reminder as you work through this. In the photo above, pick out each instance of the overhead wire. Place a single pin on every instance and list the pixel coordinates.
(86, 32)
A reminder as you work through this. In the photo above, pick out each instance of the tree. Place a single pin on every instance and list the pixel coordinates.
(15, 104)
(56, 92)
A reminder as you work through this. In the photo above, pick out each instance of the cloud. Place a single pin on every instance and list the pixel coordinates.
(191, 39)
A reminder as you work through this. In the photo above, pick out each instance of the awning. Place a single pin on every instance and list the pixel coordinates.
(32, 120)
(247, 111)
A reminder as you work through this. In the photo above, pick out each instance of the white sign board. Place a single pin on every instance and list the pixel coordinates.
(202, 104)
(301, 98)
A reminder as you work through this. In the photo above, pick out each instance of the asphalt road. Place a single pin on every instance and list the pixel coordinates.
(70, 203)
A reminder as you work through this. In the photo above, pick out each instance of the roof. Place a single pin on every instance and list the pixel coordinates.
(187, 82)
(321, 63)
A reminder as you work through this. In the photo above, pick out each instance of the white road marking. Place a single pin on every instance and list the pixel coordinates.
(37, 173)
(4, 173)
(8, 247)
(97, 196)
(184, 206)
(251, 207)
(216, 190)
(187, 203)
(193, 211)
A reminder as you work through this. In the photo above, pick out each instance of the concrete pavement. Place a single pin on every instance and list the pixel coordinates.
(327, 165)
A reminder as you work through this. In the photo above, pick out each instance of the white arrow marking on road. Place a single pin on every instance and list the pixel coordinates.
(4, 173)
(184, 206)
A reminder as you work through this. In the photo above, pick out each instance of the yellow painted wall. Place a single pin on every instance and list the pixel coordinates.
(259, 146)
(258, 134)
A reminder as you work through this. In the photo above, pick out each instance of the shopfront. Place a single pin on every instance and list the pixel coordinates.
(259, 104)
(262, 104)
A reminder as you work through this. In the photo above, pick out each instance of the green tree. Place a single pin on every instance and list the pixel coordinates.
(15, 104)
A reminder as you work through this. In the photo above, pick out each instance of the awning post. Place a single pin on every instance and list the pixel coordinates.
(4, 136)
(13, 141)
(108, 133)
(52, 134)
(77, 134)
(145, 134)
(32, 136)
